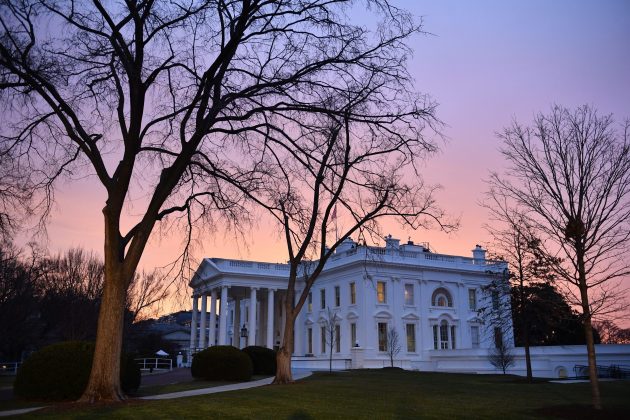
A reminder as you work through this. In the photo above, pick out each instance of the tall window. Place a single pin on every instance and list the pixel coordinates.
(408, 294)
(411, 338)
(441, 297)
(444, 335)
(474, 333)
(381, 292)
(472, 299)
(353, 293)
(337, 338)
(353, 334)
(310, 302)
(498, 337)
(337, 297)
(453, 337)
(495, 300)
(436, 340)
(323, 340)
(382, 336)
(322, 298)
(310, 341)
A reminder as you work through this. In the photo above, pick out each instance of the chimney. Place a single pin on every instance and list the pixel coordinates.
(391, 242)
(479, 255)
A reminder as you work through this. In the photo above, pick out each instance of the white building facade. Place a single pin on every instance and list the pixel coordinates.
(431, 300)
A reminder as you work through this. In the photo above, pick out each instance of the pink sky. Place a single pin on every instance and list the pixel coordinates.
(487, 63)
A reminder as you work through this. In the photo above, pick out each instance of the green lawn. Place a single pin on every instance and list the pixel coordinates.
(185, 386)
(377, 394)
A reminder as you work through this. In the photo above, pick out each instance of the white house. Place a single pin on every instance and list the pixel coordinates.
(432, 301)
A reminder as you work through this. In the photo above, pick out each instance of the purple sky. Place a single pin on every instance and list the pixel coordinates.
(486, 63)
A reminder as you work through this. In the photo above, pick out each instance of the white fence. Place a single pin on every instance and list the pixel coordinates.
(9, 368)
(152, 364)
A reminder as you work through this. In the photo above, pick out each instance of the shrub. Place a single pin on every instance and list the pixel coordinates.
(61, 372)
(222, 363)
(263, 359)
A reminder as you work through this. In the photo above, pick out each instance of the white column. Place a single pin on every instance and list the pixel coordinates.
(223, 317)
(204, 320)
(213, 318)
(270, 312)
(251, 339)
(236, 334)
(297, 328)
(193, 324)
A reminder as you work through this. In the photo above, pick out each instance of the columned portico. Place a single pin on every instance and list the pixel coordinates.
(251, 339)
(213, 318)
(193, 323)
(204, 319)
(223, 317)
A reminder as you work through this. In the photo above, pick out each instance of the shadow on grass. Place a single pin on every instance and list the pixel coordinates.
(579, 411)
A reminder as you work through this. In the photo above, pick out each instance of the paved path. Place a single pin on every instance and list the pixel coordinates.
(223, 388)
(297, 374)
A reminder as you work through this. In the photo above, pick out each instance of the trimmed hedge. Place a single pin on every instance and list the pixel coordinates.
(225, 363)
(263, 359)
(61, 372)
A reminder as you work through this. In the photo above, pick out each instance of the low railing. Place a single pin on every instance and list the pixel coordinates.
(152, 364)
(9, 368)
(612, 371)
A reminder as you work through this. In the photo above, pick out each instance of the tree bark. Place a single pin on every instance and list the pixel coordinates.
(590, 348)
(104, 381)
(283, 358)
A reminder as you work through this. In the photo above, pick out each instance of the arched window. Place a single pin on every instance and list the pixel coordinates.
(441, 297)
(443, 336)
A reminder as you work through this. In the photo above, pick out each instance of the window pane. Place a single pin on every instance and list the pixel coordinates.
(310, 341)
(495, 300)
(353, 334)
(337, 338)
(380, 292)
(322, 297)
(435, 337)
(408, 294)
(472, 299)
(310, 302)
(353, 295)
(323, 340)
(411, 338)
(452, 336)
(337, 297)
(474, 332)
(382, 336)
(444, 335)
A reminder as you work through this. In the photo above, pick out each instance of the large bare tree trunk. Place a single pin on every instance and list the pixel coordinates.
(283, 358)
(104, 382)
(590, 348)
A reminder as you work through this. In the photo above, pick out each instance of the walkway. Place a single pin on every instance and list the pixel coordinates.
(297, 374)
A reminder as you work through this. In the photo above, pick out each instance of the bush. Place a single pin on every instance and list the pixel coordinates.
(263, 359)
(222, 363)
(61, 372)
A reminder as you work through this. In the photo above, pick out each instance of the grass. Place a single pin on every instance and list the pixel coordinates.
(376, 394)
(184, 386)
(6, 380)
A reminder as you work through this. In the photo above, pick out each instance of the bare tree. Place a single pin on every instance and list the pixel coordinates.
(393, 345)
(354, 173)
(146, 292)
(161, 100)
(570, 173)
(501, 356)
(330, 325)
(515, 242)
